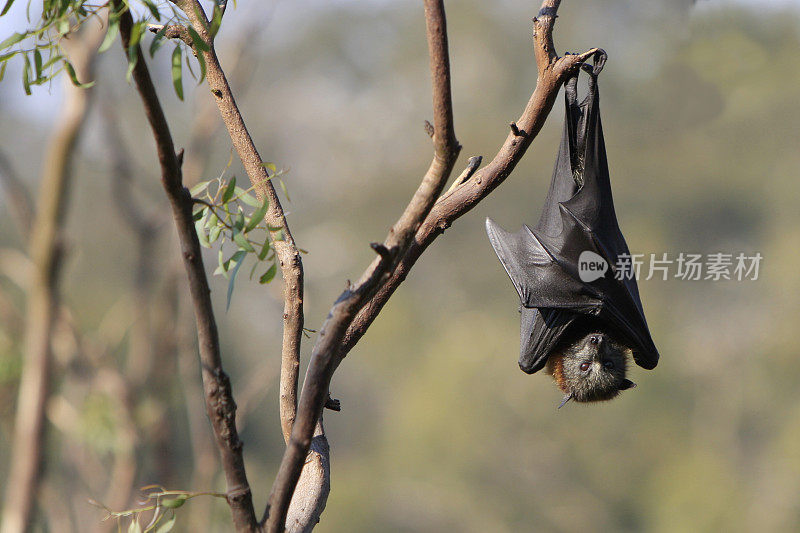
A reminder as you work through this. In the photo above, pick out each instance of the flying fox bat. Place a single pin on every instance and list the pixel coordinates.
(580, 318)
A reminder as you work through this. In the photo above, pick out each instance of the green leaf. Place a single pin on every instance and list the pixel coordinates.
(202, 62)
(253, 270)
(9, 55)
(3, 70)
(242, 241)
(213, 219)
(198, 41)
(37, 63)
(158, 40)
(264, 249)
(133, 48)
(136, 33)
(269, 166)
(6, 7)
(174, 503)
(216, 20)
(14, 39)
(200, 228)
(238, 223)
(229, 191)
(284, 189)
(256, 217)
(269, 274)
(189, 66)
(232, 281)
(52, 61)
(198, 188)
(247, 198)
(111, 34)
(177, 72)
(74, 77)
(168, 525)
(26, 76)
(62, 26)
(223, 265)
(153, 9)
(213, 235)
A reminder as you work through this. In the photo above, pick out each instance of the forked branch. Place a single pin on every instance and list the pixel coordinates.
(356, 308)
(220, 407)
(282, 241)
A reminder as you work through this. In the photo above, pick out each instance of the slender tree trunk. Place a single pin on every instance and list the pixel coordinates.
(42, 301)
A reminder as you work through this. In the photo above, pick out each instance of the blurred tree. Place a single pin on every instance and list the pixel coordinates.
(440, 432)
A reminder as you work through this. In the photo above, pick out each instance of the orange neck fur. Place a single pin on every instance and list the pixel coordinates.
(555, 367)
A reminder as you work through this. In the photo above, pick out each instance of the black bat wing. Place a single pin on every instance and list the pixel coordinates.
(578, 217)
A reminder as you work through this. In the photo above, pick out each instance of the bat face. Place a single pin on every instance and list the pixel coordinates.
(590, 366)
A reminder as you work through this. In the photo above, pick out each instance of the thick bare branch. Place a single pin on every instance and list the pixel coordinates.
(552, 71)
(42, 293)
(323, 362)
(220, 406)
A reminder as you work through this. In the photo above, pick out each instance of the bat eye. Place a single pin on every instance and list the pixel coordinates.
(609, 365)
(594, 339)
(585, 366)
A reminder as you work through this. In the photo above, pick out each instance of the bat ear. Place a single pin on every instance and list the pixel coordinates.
(567, 397)
(627, 384)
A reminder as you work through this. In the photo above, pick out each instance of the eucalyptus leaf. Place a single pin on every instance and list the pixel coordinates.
(14, 39)
(242, 241)
(229, 191)
(168, 525)
(198, 41)
(232, 281)
(6, 7)
(177, 72)
(264, 249)
(111, 34)
(74, 77)
(269, 274)
(257, 216)
(174, 503)
(200, 228)
(158, 40)
(200, 187)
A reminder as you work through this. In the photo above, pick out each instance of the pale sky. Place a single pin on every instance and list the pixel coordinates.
(42, 105)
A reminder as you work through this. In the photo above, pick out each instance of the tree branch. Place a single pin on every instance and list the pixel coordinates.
(323, 362)
(284, 246)
(355, 310)
(46, 252)
(552, 71)
(220, 406)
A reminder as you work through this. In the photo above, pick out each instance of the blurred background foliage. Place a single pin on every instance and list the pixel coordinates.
(440, 431)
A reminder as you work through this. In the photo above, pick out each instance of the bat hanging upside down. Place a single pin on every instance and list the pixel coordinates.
(580, 324)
